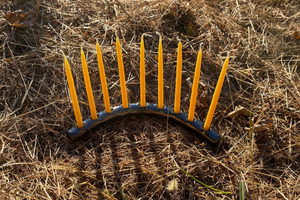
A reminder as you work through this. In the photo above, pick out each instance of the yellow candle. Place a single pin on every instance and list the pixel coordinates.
(195, 87)
(178, 79)
(160, 77)
(122, 75)
(73, 94)
(103, 80)
(142, 74)
(215, 99)
(88, 86)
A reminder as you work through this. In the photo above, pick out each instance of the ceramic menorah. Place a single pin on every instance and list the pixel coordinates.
(143, 108)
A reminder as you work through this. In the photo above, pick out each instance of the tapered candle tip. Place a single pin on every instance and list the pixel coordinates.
(179, 46)
(227, 59)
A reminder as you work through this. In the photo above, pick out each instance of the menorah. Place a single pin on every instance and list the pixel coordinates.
(143, 108)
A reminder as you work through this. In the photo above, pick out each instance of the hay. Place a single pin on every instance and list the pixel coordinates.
(133, 158)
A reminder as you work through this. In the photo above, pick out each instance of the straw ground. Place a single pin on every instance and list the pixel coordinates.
(134, 158)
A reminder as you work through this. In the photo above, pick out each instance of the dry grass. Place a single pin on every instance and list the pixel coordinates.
(137, 155)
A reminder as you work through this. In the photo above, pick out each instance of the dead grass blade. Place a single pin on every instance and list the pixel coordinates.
(219, 191)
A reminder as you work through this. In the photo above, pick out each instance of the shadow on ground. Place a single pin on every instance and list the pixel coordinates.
(138, 162)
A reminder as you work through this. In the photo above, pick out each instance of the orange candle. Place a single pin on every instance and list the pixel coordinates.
(122, 75)
(195, 87)
(215, 99)
(142, 74)
(160, 77)
(178, 79)
(88, 87)
(73, 94)
(103, 80)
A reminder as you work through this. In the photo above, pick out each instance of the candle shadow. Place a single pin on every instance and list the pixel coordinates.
(90, 143)
(135, 141)
(134, 156)
(115, 165)
(99, 174)
(126, 150)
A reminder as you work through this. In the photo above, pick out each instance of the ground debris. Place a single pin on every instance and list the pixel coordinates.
(239, 110)
(23, 19)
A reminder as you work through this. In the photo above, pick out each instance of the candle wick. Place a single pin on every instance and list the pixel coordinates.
(201, 45)
(158, 34)
(61, 51)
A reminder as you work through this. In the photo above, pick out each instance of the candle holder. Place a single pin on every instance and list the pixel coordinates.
(135, 109)
(143, 108)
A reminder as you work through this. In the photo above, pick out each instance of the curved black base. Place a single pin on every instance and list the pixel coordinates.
(152, 109)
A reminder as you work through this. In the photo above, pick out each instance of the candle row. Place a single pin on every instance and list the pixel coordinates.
(160, 104)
